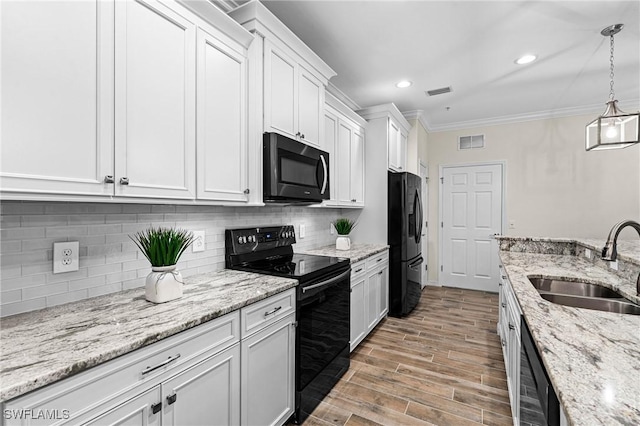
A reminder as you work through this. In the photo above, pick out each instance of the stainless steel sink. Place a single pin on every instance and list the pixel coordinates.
(620, 306)
(572, 288)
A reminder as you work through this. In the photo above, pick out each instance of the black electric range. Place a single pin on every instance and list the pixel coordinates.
(322, 305)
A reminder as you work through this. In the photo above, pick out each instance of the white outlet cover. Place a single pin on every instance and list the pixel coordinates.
(303, 231)
(199, 242)
(587, 253)
(66, 257)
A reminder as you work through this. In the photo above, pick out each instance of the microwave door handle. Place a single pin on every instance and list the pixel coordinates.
(325, 175)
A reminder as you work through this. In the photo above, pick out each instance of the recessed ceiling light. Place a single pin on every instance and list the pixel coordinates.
(526, 59)
(404, 83)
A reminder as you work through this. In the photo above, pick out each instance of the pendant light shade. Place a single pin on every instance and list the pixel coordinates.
(614, 128)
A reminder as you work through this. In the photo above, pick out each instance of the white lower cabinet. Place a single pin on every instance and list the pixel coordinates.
(212, 374)
(369, 295)
(208, 391)
(509, 331)
(268, 387)
(139, 410)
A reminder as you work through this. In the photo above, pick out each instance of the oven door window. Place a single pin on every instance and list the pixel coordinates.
(323, 326)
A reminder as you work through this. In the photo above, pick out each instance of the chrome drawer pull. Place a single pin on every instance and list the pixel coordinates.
(358, 270)
(162, 364)
(504, 277)
(273, 311)
(511, 326)
(504, 305)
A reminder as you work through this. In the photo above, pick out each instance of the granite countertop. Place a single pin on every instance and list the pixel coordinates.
(41, 347)
(592, 357)
(357, 252)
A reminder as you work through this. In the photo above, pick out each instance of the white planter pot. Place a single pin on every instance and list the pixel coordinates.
(163, 284)
(343, 242)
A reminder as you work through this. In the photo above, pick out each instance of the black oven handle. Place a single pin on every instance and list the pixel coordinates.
(327, 282)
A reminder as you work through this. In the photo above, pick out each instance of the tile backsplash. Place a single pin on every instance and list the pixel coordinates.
(109, 260)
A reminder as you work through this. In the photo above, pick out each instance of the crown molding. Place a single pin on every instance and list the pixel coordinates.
(385, 110)
(342, 97)
(417, 114)
(539, 115)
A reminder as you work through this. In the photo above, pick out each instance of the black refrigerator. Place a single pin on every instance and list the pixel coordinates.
(404, 232)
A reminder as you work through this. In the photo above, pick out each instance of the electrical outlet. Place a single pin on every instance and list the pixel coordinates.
(587, 253)
(66, 257)
(303, 231)
(613, 265)
(198, 243)
(331, 228)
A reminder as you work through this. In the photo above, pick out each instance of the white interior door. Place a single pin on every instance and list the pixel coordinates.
(424, 174)
(471, 215)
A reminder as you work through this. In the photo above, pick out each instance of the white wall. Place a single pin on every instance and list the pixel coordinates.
(554, 188)
(109, 261)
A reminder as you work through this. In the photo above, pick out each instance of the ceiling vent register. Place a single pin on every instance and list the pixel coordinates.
(471, 142)
(439, 91)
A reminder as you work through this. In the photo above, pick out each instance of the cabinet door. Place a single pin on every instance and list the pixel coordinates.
(206, 394)
(222, 121)
(358, 321)
(384, 292)
(343, 156)
(402, 152)
(393, 145)
(267, 374)
(329, 145)
(56, 93)
(310, 107)
(137, 411)
(155, 101)
(372, 290)
(280, 75)
(357, 167)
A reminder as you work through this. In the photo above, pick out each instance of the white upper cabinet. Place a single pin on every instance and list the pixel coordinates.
(294, 77)
(222, 121)
(345, 130)
(155, 101)
(397, 147)
(109, 109)
(56, 96)
(392, 131)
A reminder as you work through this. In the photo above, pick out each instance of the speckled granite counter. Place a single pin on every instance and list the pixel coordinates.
(45, 346)
(592, 357)
(357, 253)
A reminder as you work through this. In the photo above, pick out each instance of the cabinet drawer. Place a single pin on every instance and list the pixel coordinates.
(128, 374)
(259, 315)
(377, 260)
(357, 269)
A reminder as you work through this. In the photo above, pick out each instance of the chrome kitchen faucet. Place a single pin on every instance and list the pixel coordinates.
(610, 252)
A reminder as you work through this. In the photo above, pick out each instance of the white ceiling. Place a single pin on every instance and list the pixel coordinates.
(471, 46)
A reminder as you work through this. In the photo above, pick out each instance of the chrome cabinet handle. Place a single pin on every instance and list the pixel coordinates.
(109, 179)
(511, 327)
(155, 408)
(124, 181)
(380, 273)
(358, 270)
(162, 364)
(273, 311)
(247, 191)
(504, 305)
(504, 277)
(379, 260)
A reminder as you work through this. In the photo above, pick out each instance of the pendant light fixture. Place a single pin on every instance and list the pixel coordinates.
(614, 128)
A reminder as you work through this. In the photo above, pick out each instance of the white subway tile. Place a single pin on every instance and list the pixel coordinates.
(66, 276)
(10, 246)
(104, 269)
(135, 283)
(44, 290)
(22, 282)
(34, 268)
(72, 296)
(10, 296)
(22, 207)
(22, 233)
(9, 222)
(136, 208)
(35, 221)
(87, 283)
(69, 232)
(113, 228)
(120, 277)
(104, 289)
(20, 307)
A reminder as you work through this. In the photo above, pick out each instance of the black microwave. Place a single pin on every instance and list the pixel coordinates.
(293, 172)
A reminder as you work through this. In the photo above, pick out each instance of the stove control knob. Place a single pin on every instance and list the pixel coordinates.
(252, 239)
(239, 240)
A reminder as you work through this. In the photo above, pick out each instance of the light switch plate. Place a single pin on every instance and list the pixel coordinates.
(587, 253)
(303, 231)
(198, 243)
(66, 257)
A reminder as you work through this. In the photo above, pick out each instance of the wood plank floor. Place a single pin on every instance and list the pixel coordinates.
(440, 365)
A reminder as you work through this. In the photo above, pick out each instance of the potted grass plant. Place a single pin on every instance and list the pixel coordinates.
(163, 247)
(343, 227)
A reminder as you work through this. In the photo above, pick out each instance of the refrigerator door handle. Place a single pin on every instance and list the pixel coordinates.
(417, 205)
(414, 265)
